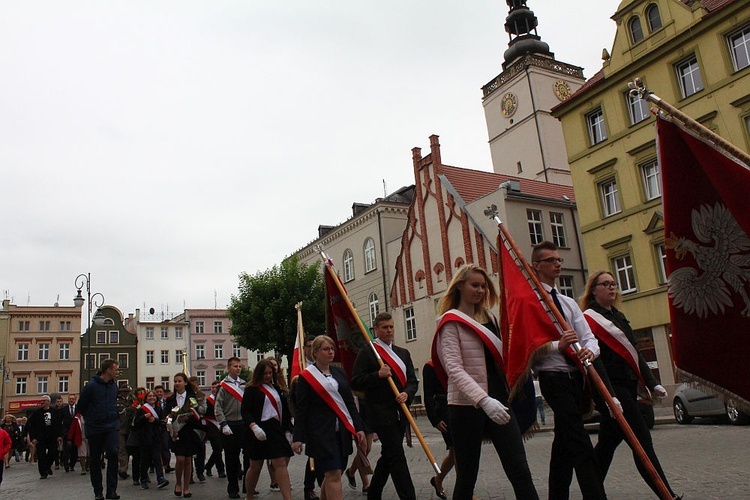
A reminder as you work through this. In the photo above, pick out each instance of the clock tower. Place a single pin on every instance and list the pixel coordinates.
(525, 139)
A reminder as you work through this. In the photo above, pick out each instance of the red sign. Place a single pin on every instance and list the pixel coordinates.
(23, 405)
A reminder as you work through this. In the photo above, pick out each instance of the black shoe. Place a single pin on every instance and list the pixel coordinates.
(144, 486)
(99, 497)
(169, 469)
(234, 495)
(310, 495)
(201, 477)
(113, 495)
(43, 476)
(352, 479)
(124, 475)
(163, 483)
(49, 472)
(209, 473)
(222, 474)
(136, 482)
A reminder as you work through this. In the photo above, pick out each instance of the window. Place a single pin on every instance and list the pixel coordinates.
(370, 263)
(102, 357)
(22, 353)
(218, 327)
(63, 383)
(201, 374)
(661, 257)
(218, 351)
(42, 384)
(610, 201)
(178, 332)
(64, 351)
(90, 361)
(178, 355)
(44, 326)
(44, 352)
(534, 218)
(150, 384)
(64, 326)
(566, 286)
(165, 383)
(101, 337)
(122, 360)
(739, 46)
(625, 274)
(651, 179)
(164, 333)
(374, 307)
(199, 327)
(258, 356)
(200, 351)
(558, 230)
(595, 122)
(149, 357)
(689, 76)
(218, 374)
(149, 333)
(348, 266)
(637, 108)
(24, 326)
(20, 385)
(653, 17)
(411, 324)
(636, 30)
(114, 337)
(164, 357)
(236, 351)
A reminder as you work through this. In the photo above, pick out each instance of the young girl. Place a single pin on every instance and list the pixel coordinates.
(186, 412)
(77, 435)
(148, 422)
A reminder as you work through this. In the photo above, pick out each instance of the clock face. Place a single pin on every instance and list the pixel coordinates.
(562, 89)
(509, 104)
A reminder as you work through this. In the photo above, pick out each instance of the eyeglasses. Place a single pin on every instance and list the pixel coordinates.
(552, 260)
(608, 284)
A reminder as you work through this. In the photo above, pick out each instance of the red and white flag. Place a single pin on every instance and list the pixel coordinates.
(147, 408)
(707, 223)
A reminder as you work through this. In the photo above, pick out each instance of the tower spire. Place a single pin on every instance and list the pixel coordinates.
(521, 26)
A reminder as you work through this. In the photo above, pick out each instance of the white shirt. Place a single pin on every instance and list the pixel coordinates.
(181, 399)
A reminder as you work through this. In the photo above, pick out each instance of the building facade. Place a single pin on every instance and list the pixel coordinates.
(693, 55)
(108, 338)
(162, 345)
(42, 353)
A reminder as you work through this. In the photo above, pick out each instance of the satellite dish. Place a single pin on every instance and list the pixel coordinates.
(151, 311)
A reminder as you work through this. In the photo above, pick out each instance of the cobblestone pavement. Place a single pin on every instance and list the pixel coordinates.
(704, 460)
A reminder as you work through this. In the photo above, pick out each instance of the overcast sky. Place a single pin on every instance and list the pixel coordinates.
(167, 146)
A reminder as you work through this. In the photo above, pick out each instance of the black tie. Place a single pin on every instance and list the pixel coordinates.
(72, 411)
(553, 292)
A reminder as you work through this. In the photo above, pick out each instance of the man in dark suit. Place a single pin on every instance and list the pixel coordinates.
(70, 453)
(384, 409)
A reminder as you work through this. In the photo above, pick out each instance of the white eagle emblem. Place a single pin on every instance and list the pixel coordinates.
(704, 291)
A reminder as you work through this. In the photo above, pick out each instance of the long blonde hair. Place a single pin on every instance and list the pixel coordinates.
(588, 295)
(452, 297)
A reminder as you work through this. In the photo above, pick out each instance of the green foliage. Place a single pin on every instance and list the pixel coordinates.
(263, 314)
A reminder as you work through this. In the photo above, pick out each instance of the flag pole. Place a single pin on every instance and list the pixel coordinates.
(635, 445)
(300, 337)
(637, 88)
(363, 331)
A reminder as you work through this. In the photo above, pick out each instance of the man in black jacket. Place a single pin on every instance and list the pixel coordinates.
(384, 414)
(45, 427)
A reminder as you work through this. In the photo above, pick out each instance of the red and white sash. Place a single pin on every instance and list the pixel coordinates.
(606, 331)
(237, 393)
(331, 397)
(147, 408)
(392, 359)
(271, 395)
(489, 339)
(211, 399)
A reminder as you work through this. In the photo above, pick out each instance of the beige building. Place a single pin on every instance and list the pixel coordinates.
(694, 55)
(162, 343)
(42, 353)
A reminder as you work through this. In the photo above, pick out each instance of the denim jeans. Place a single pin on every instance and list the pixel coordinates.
(103, 443)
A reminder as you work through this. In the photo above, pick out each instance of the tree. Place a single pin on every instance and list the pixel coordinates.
(263, 314)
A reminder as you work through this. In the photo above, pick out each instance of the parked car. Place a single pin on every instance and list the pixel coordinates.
(689, 403)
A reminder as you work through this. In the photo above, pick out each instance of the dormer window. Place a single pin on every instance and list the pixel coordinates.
(653, 17)
(636, 30)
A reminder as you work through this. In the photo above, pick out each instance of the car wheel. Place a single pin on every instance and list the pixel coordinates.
(735, 416)
(680, 412)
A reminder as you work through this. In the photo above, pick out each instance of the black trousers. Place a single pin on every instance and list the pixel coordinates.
(610, 435)
(232, 447)
(214, 437)
(150, 456)
(46, 451)
(571, 447)
(468, 425)
(392, 462)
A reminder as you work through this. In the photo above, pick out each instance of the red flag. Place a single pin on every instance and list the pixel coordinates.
(707, 223)
(341, 324)
(296, 367)
(524, 322)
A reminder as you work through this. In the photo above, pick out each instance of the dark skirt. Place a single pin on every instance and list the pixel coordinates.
(188, 444)
(275, 445)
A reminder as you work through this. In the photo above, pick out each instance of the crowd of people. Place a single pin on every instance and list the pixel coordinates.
(260, 423)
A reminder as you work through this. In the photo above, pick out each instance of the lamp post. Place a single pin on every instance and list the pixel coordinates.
(96, 299)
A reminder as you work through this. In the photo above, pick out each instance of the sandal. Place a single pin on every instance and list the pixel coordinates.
(440, 493)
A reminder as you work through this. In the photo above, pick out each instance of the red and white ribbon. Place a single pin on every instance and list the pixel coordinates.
(237, 393)
(331, 397)
(392, 359)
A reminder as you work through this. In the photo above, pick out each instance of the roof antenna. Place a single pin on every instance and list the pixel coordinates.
(385, 190)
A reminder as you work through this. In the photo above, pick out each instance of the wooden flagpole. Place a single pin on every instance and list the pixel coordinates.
(491, 212)
(363, 330)
(300, 337)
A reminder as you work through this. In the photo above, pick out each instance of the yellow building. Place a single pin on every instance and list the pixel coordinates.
(693, 54)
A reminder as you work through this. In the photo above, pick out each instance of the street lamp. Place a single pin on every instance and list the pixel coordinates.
(96, 299)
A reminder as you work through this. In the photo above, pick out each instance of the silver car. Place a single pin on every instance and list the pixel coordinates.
(689, 403)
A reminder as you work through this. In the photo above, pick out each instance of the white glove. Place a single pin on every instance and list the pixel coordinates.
(288, 437)
(226, 430)
(659, 392)
(617, 404)
(260, 434)
(495, 410)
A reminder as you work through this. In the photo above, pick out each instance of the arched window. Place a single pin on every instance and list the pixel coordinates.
(458, 262)
(372, 301)
(653, 17)
(636, 30)
(348, 266)
(370, 262)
